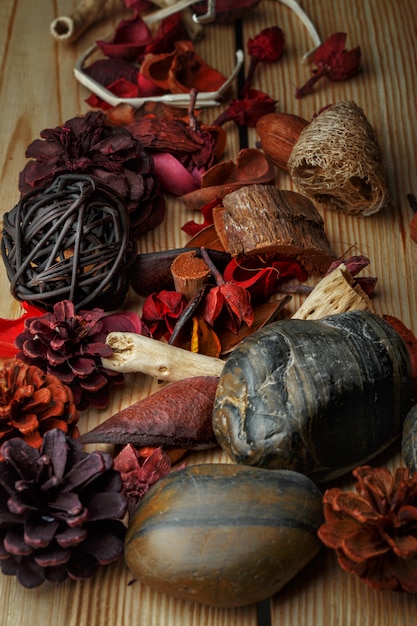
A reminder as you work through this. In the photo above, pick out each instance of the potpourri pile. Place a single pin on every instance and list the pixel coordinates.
(61, 507)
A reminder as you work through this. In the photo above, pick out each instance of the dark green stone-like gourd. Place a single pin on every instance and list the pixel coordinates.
(409, 440)
(224, 534)
(314, 396)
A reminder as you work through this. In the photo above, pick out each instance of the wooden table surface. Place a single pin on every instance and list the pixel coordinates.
(38, 90)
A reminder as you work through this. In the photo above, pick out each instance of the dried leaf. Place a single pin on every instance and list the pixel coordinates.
(177, 416)
(252, 166)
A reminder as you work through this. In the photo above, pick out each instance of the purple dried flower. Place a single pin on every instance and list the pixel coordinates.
(87, 145)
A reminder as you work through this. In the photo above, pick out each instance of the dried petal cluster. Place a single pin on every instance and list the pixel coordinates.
(374, 530)
(70, 345)
(32, 403)
(333, 61)
(86, 145)
(60, 510)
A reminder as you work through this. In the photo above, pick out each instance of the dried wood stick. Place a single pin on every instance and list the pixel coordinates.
(68, 28)
(136, 353)
(334, 294)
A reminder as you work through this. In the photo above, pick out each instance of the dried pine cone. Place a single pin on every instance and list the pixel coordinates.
(59, 510)
(374, 530)
(70, 345)
(32, 402)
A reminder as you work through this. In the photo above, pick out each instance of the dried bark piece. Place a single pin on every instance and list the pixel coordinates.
(177, 416)
(190, 273)
(335, 293)
(261, 218)
(337, 162)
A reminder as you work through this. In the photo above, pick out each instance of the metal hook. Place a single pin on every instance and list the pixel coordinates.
(209, 16)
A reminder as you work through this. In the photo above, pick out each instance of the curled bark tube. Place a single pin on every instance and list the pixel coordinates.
(69, 28)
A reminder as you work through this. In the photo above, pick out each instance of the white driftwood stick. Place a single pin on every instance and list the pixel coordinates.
(136, 353)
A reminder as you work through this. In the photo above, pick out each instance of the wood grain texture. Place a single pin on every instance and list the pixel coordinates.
(38, 90)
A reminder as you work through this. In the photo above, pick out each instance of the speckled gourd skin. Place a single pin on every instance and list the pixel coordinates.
(314, 396)
(409, 440)
(224, 534)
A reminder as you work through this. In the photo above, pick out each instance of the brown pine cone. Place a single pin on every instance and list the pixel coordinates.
(374, 530)
(32, 402)
(60, 510)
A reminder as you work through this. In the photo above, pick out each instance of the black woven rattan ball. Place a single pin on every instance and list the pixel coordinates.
(70, 241)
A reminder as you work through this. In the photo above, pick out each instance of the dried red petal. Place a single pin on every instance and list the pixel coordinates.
(161, 311)
(129, 41)
(10, 329)
(260, 276)
(181, 70)
(248, 110)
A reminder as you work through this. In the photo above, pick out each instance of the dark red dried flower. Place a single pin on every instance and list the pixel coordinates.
(228, 302)
(140, 472)
(333, 61)
(59, 510)
(246, 111)
(374, 530)
(267, 46)
(70, 345)
(112, 155)
(161, 311)
(32, 403)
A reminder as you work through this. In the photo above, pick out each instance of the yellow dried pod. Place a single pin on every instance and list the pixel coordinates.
(337, 162)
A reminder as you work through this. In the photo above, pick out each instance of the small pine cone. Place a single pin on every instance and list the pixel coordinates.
(60, 510)
(32, 402)
(373, 531)
(70, 345)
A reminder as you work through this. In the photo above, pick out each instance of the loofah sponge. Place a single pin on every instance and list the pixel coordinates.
(338, 164)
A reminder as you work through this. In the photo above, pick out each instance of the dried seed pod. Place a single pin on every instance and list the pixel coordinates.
(278, 133)
(315, 396)
(337, 162)
(224, 535)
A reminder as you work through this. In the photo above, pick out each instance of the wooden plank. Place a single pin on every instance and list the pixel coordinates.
(38, 90)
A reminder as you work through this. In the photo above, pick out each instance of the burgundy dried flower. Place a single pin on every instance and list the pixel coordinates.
(161, 311)
(267, 46)
(59, 510)
(32, 402)
(248, 110)
(70, 345)
(333, 61)
(112, 155)
(374, 530)
(140, 472)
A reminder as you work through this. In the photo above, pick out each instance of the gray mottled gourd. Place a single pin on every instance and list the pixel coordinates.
(409, 440)
(224, 534)
(314, 396)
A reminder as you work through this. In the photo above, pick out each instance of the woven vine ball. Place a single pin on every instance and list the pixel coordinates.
(337, 162)
(70, 241)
